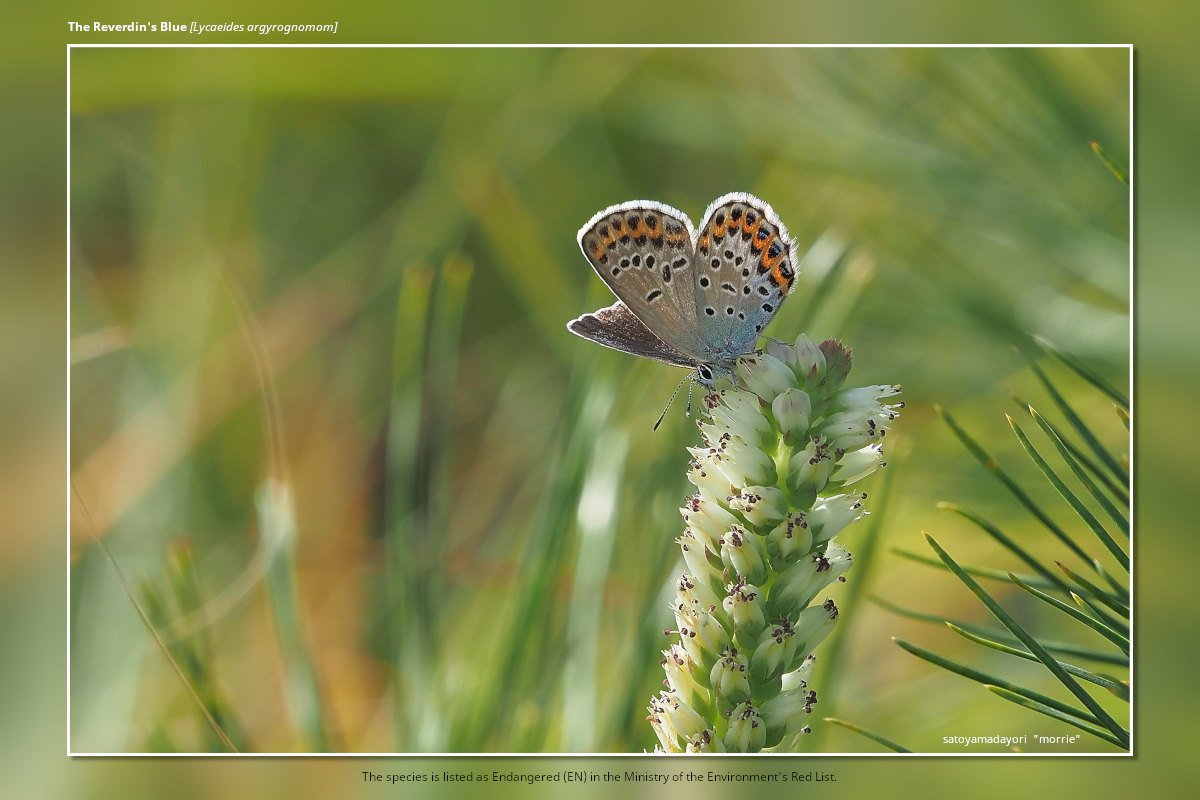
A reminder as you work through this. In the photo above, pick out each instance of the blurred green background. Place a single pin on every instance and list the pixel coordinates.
(327, 419)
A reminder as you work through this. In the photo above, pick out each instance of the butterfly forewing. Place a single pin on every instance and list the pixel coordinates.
(744, 269)
(643, 251)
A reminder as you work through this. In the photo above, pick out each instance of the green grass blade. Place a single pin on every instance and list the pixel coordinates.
(1010, 545)
(546, 550)
(409, 573)
(1085, 372)
(1111, 684)
(1103, 155)
(1113, 512)
(1116, 489)
(1099, 626)
(1087, 588)
(193, 648)
(987, 679)
(1042, 708)
(1123, 414)
(277, 524)
(582, 676)
(1106, 458)
(1062, 648)
(1117, 587)
(875, 737)
(144, 616)
(1088, 518)
(1100, 614)
(1014, 488)
(981, 572)
(1032, 643)
(441, 382)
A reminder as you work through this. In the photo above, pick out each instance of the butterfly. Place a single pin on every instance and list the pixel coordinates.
(692, 297)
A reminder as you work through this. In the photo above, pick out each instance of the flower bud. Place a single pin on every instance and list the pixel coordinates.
(809, 361)
(744, 603)
(765, 375)
(744, 554)
(832, 514)
(746, 732)
(706, 519)
(678, 719)
(812, 626)
(741, 414)
(798, 678)
(695, 556)
(691, 592)
(729, 679)
(850, 430)
(810, 468)
(864, 398)
(775, 652)
(704, 742)
(760, 504)
(837, 363)
(679, 669)
(796, 586)
(858, 464)
(712, 635)
(788, 713)
(741, 463)
(699, 632)
(790, 539)
(793, 413)
(705, 476)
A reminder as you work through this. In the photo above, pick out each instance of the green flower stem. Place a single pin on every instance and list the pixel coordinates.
(774, 479)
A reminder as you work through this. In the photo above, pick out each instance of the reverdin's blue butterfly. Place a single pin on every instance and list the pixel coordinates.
(695, 298)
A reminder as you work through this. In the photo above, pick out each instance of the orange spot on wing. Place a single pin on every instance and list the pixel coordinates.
(765, 247)
(751, 229)
(783, 282)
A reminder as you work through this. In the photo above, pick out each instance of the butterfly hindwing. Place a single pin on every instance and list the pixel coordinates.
(643, 250)
(618, 328)
(744, 269)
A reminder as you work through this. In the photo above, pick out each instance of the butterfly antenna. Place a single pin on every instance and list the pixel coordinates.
(672, 400)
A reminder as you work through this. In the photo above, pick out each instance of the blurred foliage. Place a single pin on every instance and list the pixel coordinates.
(1098, 601)
(317, 314)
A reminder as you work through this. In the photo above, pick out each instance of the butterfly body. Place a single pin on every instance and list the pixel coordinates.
(696, 297)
